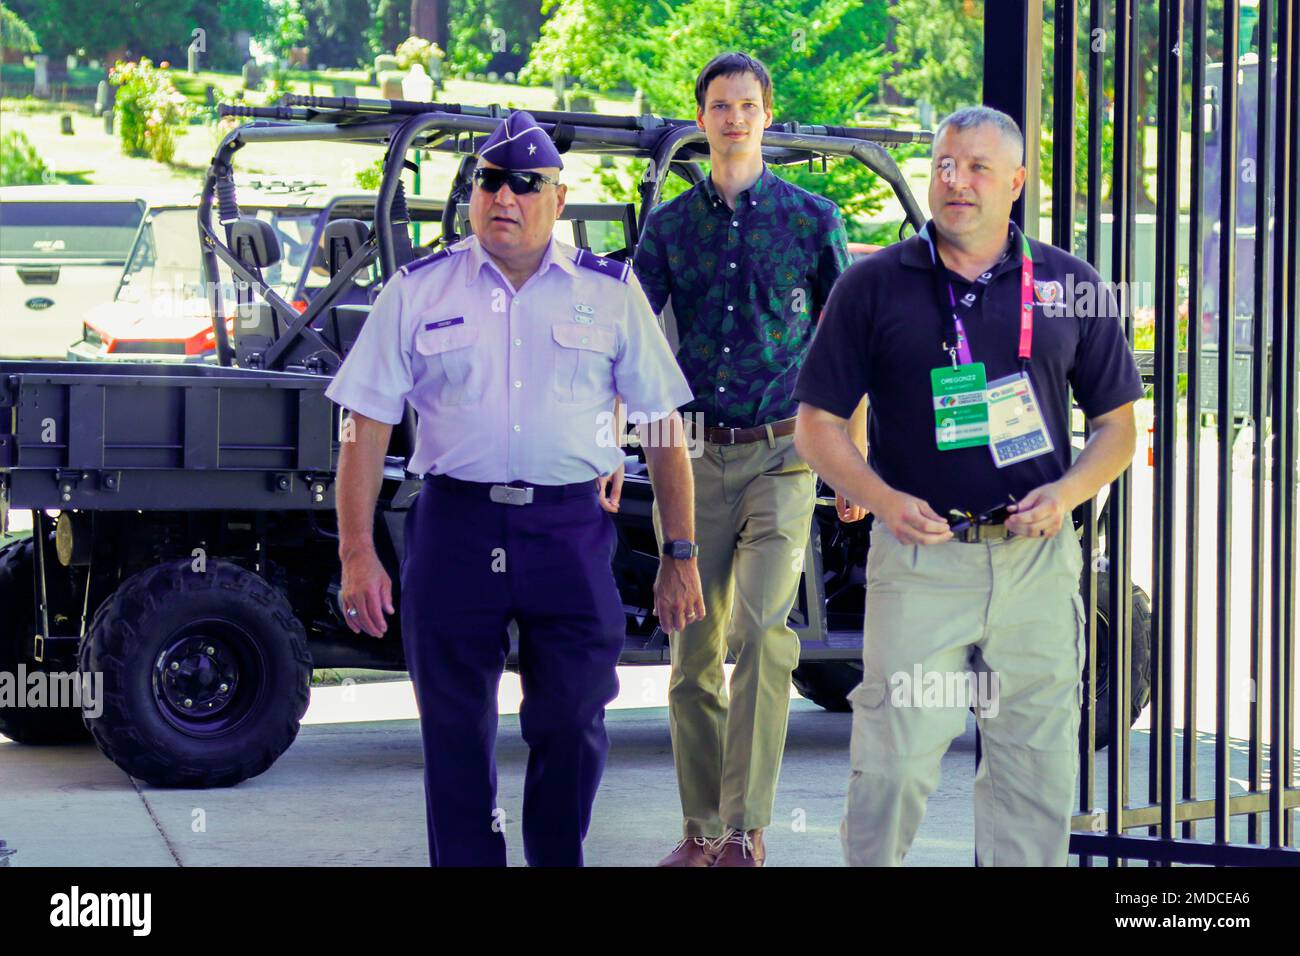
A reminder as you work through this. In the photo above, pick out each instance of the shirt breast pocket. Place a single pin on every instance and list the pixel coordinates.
(449, 354)
(584, 357)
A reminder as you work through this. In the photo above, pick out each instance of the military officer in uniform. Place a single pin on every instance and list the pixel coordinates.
(511, 346)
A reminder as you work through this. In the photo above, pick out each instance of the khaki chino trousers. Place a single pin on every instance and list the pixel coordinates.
(753, 507)
(1006, 615)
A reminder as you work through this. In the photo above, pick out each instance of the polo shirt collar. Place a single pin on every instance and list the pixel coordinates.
(916, 250)
(762, 186)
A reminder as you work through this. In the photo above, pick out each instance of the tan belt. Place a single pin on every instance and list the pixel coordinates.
(743, 436)
(982, 532)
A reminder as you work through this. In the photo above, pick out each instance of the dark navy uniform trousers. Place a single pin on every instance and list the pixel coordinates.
(470, 566)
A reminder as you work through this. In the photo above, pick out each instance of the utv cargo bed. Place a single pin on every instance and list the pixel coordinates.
(109, 437)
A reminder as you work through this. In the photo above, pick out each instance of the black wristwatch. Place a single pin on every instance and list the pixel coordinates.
(681, 550)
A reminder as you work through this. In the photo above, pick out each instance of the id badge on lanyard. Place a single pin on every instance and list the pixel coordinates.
(969, 410)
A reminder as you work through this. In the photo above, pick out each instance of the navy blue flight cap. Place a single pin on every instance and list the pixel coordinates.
(519, 143)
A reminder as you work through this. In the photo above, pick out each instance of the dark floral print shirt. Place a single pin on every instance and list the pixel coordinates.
(747, 287)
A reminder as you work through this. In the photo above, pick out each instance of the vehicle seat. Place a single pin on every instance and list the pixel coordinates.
(342, 322)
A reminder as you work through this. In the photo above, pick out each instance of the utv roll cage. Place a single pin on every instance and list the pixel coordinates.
(291, 340)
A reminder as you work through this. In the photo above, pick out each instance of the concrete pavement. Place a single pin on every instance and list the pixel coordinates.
(349, 792)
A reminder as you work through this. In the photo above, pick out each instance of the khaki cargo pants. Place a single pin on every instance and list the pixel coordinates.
(753, 507)
(1004, 620)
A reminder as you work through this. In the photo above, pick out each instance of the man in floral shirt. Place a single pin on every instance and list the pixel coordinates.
(746, 261)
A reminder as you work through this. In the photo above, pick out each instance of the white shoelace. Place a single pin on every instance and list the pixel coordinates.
(712, 845)
(741, 839)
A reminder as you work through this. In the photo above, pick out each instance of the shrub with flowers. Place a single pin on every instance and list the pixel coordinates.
(415, 50)
(149, 109)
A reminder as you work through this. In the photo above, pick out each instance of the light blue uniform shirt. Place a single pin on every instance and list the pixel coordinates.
(512, 384)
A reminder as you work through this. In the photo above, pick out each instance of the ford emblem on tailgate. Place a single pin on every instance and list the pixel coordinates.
(39, 302)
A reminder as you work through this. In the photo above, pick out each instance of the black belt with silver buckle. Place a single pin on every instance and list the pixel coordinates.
(514, 493)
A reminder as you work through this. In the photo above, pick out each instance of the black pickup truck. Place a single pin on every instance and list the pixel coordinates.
(184, 545)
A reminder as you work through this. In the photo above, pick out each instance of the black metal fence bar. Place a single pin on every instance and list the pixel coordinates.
(1123, 157)
(1287, 446)
(1169, 141)
(1064, 92)
(1065, 62)
(1195, 277)
(1258, 409)
(1281, 329)
(1229, 176)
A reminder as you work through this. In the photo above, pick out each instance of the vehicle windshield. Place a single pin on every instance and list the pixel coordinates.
(68, 230)
(166, 257)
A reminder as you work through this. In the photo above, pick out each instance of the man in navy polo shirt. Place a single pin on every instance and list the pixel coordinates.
(961, 341)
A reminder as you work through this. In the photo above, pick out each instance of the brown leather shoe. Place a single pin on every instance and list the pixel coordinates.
(693, 851)
(739, 848)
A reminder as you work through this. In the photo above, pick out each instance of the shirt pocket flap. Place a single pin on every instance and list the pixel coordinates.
(445, 339)
(575, 335)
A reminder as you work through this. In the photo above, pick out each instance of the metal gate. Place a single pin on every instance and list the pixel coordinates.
(1225, 100)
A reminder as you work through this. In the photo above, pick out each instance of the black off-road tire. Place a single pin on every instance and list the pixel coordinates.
(27, 725)
(1139, 663)
(827, 683)
(170, 634)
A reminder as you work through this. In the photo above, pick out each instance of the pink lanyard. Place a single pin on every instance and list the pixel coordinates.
(960, 352)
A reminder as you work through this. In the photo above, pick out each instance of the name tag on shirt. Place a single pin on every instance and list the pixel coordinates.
(1015, 421)
(961, 411)
(444, 323)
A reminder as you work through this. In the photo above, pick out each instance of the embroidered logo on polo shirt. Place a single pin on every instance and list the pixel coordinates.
(1048, 291)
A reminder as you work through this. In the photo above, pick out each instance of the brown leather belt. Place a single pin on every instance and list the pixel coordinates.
(743, 436)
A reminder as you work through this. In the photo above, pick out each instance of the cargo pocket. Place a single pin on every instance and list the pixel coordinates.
(449, 352)
(870, 693)
(867, 701)
(584, 355)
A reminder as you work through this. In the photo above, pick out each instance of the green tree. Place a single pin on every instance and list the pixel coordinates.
(493, 34)
(288, 26)
(335, 32)
(940, 51)
(390, 24)
(101, 27)
(15, 34)
(827, 58)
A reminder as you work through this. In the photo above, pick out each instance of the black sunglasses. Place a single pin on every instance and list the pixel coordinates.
(520, 182)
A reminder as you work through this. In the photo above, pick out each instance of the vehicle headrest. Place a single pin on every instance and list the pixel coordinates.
(259, 237)
(350, 234)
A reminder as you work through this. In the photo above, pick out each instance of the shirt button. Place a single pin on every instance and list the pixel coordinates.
(735, 224)
(519, 342)
(516, 428)
(519, 384)
(733, 265)
(722, 388)
(731, 308)
(753, 202)
(726, 348)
